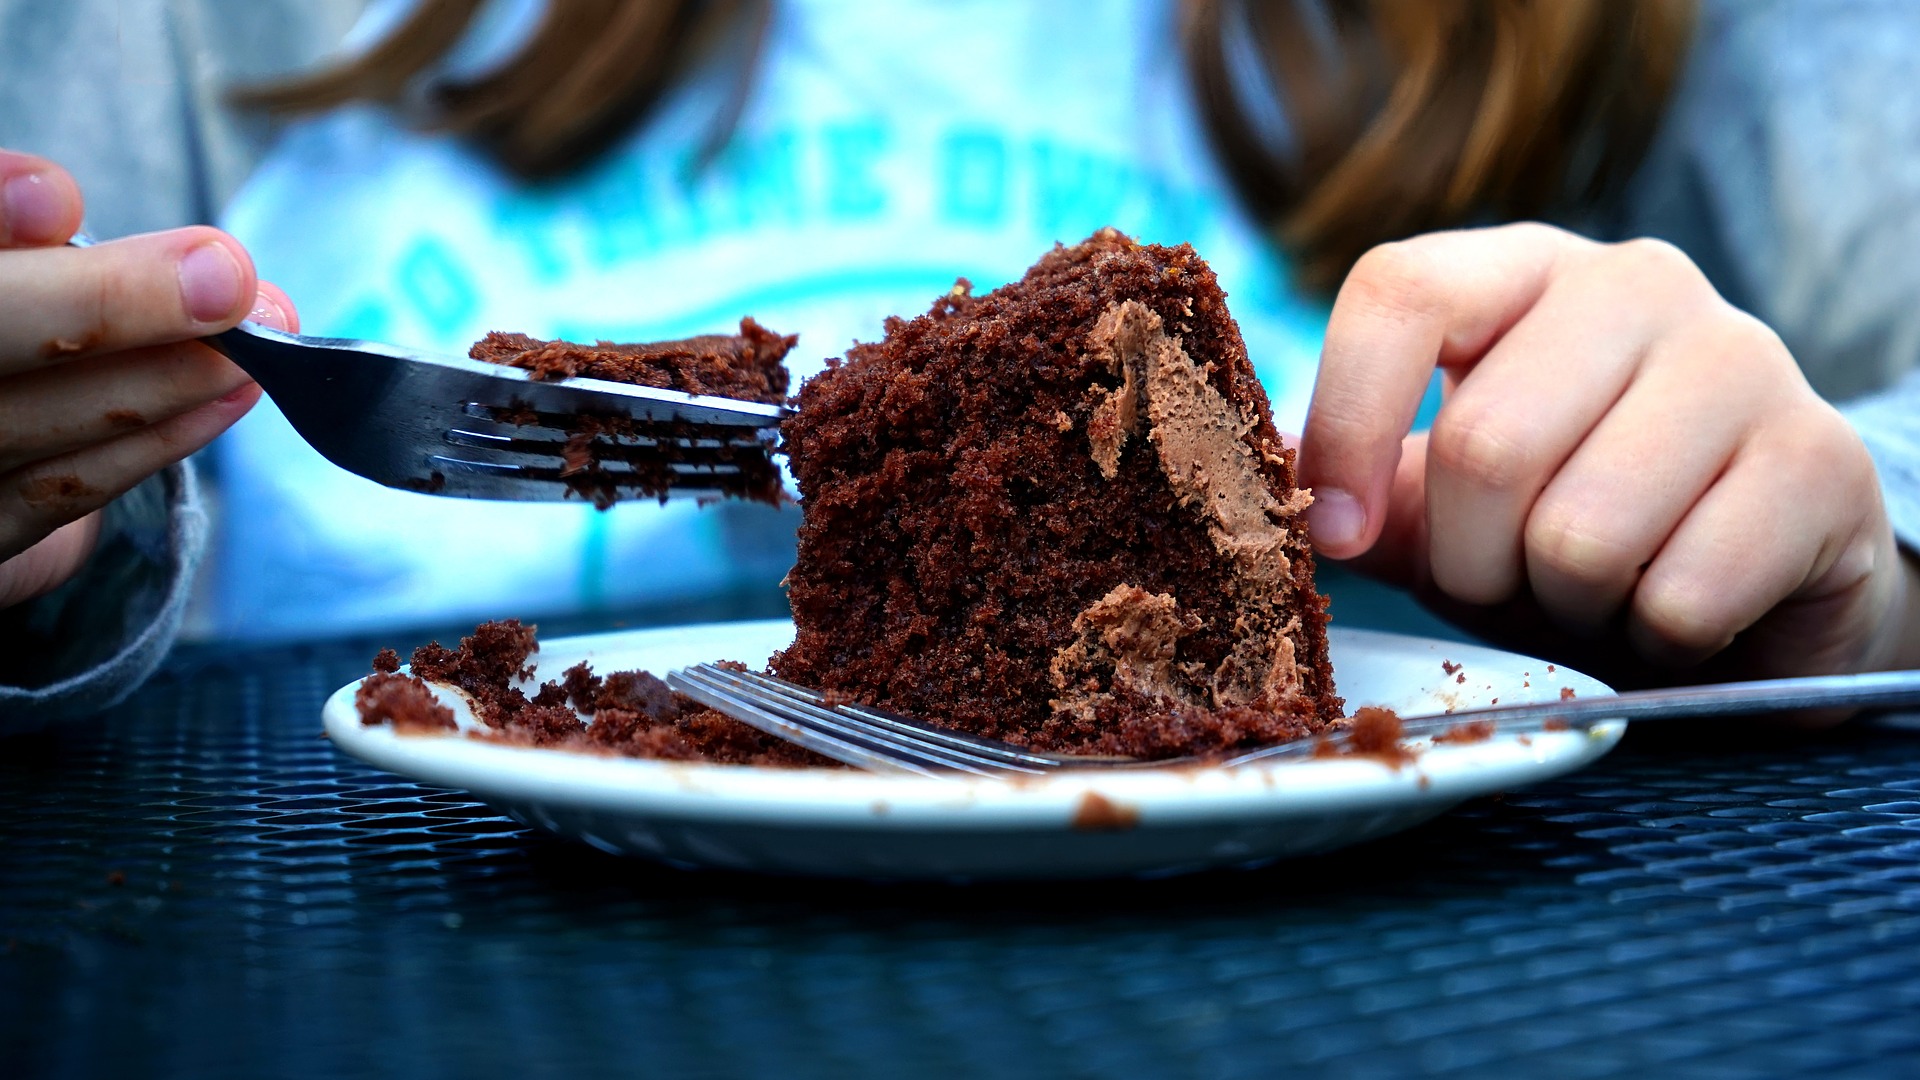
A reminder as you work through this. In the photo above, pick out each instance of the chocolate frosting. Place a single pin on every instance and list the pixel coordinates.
(1199, 439)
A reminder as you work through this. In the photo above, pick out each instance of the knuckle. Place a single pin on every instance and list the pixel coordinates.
(1397, 277)
(1655, 268)
(1539, 232)
(1743, 353)
(1654, 258)
(1477, 449)
(1679, 616)
(1842, 454)
(1748, 336)
(1469, 581)
(1810, 446)
(1559, 542)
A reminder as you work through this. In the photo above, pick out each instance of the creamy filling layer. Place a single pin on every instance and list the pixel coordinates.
(1129, 638)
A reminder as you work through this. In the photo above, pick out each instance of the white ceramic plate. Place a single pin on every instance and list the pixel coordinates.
(1083, 824)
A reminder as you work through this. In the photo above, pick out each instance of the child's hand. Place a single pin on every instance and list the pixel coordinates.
(1619, 450)
(101, 381)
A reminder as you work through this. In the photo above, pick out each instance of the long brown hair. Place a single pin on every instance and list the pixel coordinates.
(1396, 116)
(1405, 116)
(591, 70)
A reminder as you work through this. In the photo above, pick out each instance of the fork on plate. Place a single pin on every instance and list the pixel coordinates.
(882, 741)
(450, 425)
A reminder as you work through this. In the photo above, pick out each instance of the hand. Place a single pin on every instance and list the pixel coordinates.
(1625, 472)
(102, 382)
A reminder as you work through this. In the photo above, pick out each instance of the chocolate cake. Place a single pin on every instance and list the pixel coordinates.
(747, 366)
(1059, 514)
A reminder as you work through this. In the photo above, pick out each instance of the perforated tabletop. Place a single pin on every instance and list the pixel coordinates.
(199, 885)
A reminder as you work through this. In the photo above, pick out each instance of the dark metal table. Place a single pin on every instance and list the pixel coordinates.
(199, 885)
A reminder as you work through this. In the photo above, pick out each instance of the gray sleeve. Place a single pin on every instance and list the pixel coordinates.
(132, 97)
(87, 644)
(1787, 168)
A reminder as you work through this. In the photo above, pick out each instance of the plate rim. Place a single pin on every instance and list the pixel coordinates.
(817, 798)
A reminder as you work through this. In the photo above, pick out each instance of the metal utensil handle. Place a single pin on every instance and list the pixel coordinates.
(1879, 688)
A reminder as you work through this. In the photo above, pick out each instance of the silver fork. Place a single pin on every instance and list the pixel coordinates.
(881, 741)
(450, 425)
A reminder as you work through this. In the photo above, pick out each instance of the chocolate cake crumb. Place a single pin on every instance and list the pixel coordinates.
(1097, 813)
(747, 365)
(403, 701)
(1449, 666)
(386, 662)
(518, 413)
(486, 665)
(1371, 732)
(637, 691)
(1566, 693)
(1059, 514)
(632, 713)
(435, 482)
(582, 687)
(1375, 730)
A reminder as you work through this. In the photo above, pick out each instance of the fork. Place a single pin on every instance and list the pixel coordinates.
(450, 425)
(882, 741)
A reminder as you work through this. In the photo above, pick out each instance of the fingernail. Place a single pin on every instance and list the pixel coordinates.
(210, 282)
(268, 312)
(1335, 519)
(32, 207)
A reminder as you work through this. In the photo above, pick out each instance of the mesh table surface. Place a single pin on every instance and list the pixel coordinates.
(199, 885)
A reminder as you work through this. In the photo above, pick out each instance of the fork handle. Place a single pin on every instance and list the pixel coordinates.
(1873, 689)
(1878, 688)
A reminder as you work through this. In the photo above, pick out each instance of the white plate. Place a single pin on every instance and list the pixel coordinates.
(1085, 824)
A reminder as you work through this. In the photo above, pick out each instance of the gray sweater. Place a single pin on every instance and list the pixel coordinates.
(1788, 168)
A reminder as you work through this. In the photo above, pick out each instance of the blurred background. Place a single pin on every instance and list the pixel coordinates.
(424, 171)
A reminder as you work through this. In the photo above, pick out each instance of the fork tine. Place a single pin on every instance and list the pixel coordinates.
(524, 421)
(781, 726)
(733, 691)
(515, 462)
(978, 746)
(500, 480)
(540, 453)
(876, 726)
(508, 449)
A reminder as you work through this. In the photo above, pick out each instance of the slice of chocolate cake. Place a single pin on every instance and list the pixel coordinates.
(1060, 514)
(747, 366)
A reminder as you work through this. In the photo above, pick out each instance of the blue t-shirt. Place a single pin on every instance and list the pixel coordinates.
(885, 151)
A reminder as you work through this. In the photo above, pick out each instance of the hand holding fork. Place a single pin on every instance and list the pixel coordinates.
(118, 361)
